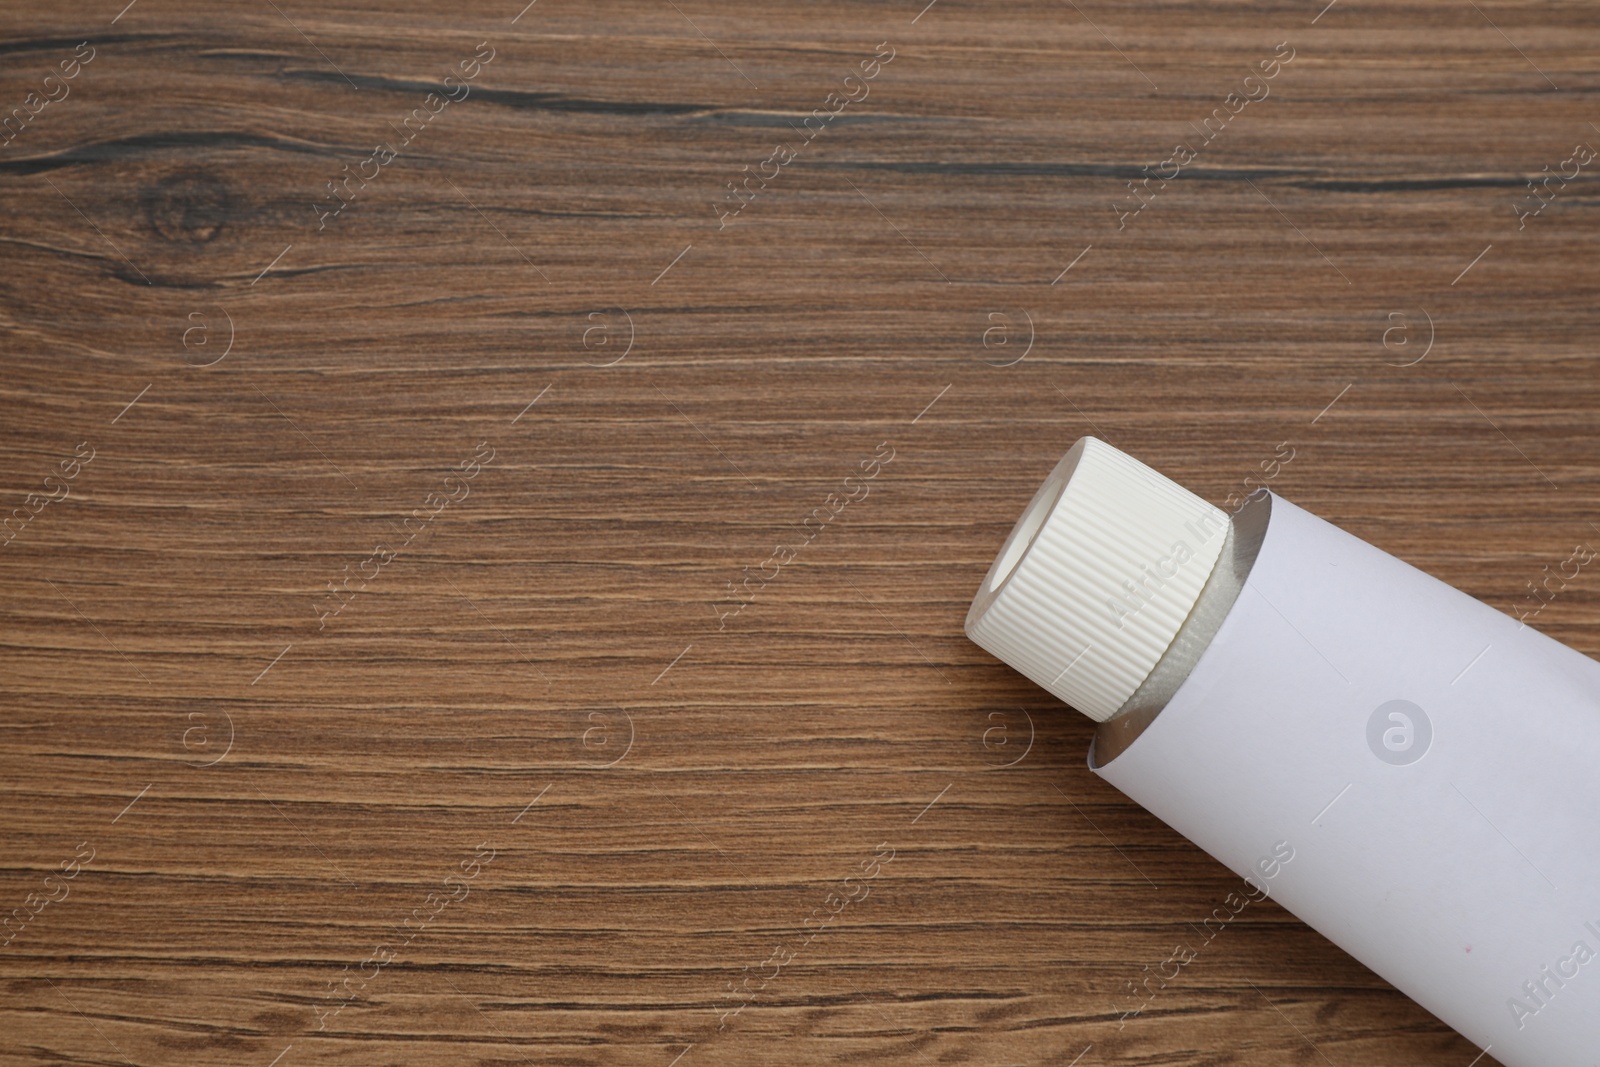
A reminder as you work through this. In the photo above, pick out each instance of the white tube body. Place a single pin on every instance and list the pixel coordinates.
(1433, 767)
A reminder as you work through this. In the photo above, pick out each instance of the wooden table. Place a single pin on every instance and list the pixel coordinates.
(423, 643)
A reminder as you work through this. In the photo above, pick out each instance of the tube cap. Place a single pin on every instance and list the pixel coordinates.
(1097, 576)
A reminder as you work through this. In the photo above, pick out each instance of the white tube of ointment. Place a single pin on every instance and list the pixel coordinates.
(1412, 773)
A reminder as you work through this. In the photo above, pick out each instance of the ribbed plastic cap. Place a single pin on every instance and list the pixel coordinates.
(1096, 577)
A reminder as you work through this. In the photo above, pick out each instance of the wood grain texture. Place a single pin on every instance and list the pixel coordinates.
(546, 670)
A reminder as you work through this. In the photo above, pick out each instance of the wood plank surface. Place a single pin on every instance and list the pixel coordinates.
(415, 649)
